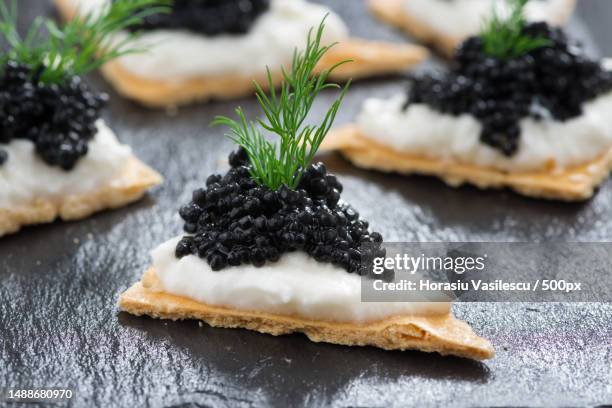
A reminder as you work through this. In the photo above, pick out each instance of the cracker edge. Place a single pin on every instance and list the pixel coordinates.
(130, 186)
(369, 58)
(575, 184)
(392, 12)
(442, 334)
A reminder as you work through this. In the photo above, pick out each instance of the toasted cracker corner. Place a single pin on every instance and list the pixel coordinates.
(442, 334)
(573, 184)
(130, 186)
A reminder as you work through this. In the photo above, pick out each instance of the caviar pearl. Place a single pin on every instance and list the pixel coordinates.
(59, 119)
(554, 80)
(233, 221)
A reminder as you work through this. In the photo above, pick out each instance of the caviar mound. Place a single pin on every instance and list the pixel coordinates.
(208, 17)
(59, 119)
(235, 221)
(553, 81)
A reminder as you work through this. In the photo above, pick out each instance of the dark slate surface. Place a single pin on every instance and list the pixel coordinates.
(59, 284)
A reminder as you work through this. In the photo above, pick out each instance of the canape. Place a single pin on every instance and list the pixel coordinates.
(214, 50)
(522, 107)
(444, 24)
(270, 246)
(58, 158)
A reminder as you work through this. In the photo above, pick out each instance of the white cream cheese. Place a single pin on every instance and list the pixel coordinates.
(423, 131)
(295, 285)
(175, 55)
(461, 18)
(25, 176)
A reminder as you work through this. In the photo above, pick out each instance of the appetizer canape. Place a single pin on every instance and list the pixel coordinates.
(270, 246)
(444, 24)
(215, 49)
(522, 107)
(58, 158)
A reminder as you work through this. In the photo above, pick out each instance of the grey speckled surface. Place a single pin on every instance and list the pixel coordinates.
(59, 284)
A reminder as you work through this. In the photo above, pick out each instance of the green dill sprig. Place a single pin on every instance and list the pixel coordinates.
(81, 45)
(285, 112)
(503, 38)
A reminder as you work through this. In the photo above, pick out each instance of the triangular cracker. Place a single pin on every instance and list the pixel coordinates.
(130, 186)
(369, 58)
(443, 334)
(572, 184)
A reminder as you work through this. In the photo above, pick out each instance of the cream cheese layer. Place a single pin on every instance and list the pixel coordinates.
(296, 285)
(179, 54)
(423, 131)
(25, 177)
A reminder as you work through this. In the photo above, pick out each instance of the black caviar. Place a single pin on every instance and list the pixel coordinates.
(551, 81)
(208, 17)
(59, 119)
(234, 221)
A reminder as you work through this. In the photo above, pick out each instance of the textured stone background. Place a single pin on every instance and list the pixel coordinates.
(59, 284)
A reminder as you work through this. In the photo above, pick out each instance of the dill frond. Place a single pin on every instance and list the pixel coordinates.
(81, 45)
(503, 38)
(285, 113)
